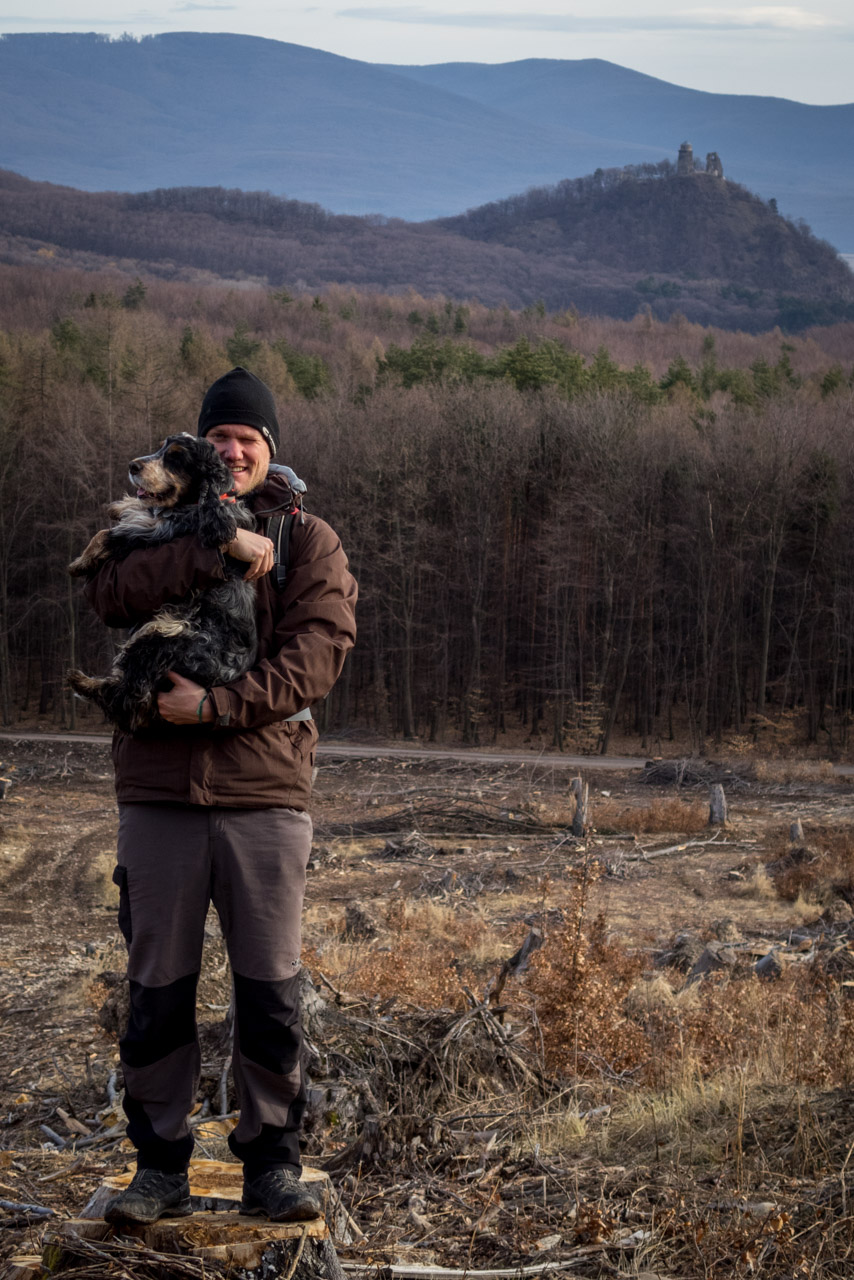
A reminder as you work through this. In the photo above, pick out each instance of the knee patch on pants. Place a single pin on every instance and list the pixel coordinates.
(268, 1022)
(162, 1019)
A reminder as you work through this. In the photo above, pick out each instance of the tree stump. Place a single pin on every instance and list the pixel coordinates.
(581, 791)
(796, 832)
(215, 1232)
(717, 806)
(24, 1267)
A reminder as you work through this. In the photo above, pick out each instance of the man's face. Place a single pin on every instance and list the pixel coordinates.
(244, 451)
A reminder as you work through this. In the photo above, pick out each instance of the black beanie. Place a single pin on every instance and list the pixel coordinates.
(239, 398)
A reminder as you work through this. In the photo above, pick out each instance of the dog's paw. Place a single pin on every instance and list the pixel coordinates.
(94, 555)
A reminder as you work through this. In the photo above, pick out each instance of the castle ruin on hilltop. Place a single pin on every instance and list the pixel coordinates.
(685, 167)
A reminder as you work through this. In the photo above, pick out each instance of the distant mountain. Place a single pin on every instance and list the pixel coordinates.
(202, 110)
(415, 142)
(611, 243)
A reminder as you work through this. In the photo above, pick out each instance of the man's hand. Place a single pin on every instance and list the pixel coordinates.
(180, 704)
(254, 548)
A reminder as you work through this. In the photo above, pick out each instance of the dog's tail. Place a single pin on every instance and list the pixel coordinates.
(85, 686)
(109, 693)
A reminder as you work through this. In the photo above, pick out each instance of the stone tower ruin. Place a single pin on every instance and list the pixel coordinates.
(713, 165)
(685, 163)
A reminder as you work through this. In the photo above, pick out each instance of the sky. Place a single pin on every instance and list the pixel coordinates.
(802, 51)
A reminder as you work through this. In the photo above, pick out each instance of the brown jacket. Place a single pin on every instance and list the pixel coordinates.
(257, 760)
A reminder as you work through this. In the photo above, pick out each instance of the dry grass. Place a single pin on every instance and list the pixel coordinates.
(758, 886)
(663, 814)
(423, 953)
(691, 1120)
(558, 1128)
(766, 770)
(656, 992)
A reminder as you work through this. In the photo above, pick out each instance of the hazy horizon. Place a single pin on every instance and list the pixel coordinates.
(802, 52)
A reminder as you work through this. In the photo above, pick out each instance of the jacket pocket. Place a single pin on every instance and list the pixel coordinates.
(300, 737)
(120, 877)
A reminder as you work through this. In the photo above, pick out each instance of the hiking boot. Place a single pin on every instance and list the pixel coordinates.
(279, 1195)
(151, 1195)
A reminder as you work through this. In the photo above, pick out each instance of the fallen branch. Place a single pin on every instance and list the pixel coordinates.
(53, 1136)
(417, 1271)
(646, 855)
(39, 1210)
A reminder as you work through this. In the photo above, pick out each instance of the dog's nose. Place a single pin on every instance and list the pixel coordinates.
(135, 466)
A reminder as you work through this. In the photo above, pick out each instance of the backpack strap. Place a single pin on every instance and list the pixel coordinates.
(279, 533)
(281, 523)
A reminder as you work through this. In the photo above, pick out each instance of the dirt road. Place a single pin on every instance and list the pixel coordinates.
(368, 751)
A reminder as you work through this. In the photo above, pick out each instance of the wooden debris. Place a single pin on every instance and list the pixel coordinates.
(456, 816)
(717, 955)
(769, 966)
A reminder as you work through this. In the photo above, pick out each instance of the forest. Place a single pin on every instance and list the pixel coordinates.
(566, 530)
(609, 243)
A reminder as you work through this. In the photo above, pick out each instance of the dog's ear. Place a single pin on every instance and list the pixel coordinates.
(211, 466)
(208, 495)
(217, 525)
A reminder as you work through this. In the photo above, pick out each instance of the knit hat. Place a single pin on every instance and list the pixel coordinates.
(239, 398)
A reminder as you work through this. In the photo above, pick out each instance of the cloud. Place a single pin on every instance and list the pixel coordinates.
(754, 17)
(86, 24)
(189, 7)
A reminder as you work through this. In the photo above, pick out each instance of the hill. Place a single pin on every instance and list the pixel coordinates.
(786, 150)
(608, 244)
(690, 228)
(413, 142)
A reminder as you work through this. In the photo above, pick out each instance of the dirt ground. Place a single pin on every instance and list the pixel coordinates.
(522, 1172)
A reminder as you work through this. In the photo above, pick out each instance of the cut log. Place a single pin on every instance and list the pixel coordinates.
(217, 1233)
(717, 806)
(24, 1268)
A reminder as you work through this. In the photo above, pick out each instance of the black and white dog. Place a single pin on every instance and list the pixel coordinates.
(208, 637)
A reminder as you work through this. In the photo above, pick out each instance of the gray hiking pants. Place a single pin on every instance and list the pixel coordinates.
(173, 860)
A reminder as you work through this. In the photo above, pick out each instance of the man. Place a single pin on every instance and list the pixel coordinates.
(212, 807)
